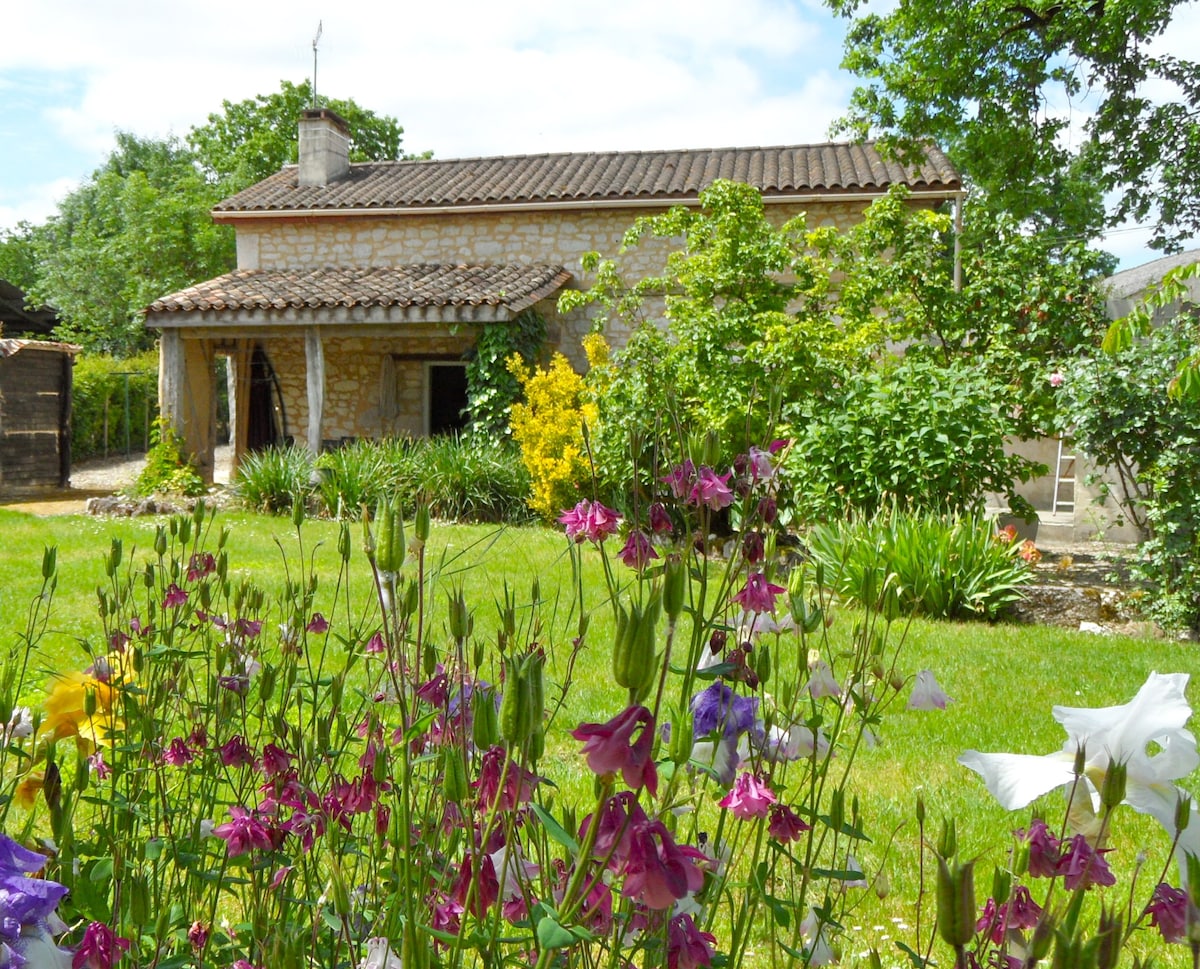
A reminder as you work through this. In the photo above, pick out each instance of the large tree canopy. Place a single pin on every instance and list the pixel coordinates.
(255, 138)
(1002, 85)
(140, 227)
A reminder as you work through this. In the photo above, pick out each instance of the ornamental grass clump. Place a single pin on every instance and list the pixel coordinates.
(319, 777)
(941, 566)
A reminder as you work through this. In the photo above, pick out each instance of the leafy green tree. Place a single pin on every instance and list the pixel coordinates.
(999, 84)
(254, 138)
(137, 229)
(752, 329)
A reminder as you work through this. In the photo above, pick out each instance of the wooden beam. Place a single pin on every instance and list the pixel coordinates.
(172, 374)
(314, 359)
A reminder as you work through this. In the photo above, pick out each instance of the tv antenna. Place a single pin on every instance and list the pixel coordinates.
(315, 40)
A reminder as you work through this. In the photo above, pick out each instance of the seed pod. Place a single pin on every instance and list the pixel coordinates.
(160, 541)
(485, 722)
(454, 775)
(421, 523)
(516, 707)
(139, 899)
(674, 586)
(956, 902)
(49, 561)
(297, 510)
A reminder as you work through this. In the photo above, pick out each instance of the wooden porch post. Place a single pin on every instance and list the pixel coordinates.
(171, 378)
(239, 398)
(314, 358)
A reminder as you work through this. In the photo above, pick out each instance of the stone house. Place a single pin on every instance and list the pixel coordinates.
(360, 288)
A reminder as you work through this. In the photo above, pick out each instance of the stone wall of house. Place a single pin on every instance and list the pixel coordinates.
(559, 237)
(363, 399)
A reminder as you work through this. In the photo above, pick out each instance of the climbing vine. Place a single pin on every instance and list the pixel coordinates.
(492, 388)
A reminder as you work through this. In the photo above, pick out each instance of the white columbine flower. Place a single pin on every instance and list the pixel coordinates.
(926, 694)
(1112, 735)
(380, 955)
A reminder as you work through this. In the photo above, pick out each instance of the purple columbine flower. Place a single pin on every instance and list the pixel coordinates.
(1084, 866)
(719, 706)
(175, 597)
(1044, 849)
(235, 752)
(786, 825)
(317, 624)
(178, 753)
(658, 871)
(660, 519)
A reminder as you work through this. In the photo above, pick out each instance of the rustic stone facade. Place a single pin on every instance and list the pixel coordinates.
(362, 398)
(560, 237)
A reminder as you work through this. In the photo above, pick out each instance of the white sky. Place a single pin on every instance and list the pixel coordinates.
(464, 78)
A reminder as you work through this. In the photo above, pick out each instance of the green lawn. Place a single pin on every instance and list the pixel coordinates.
(1004, 679)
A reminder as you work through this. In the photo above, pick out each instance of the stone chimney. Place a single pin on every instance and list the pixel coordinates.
(324, 147)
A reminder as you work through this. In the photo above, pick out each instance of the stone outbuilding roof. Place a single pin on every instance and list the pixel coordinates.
(592, 179)
(513, 287)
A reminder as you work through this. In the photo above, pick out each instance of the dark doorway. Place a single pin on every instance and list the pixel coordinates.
(264, 412)
(447, 398)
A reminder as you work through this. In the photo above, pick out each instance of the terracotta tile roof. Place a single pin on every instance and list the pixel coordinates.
(594, 177)
(512, 286)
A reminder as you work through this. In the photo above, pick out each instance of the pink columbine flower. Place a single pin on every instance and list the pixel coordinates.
(660, 519)
(174, 598)
(244, 833)
(758, 595)
(687, 946)
(749, 799)
(275, 760)
(785, 825)
(376, 644)
(235, 752)
(1168, 911)
(1083, 866)
(197, 935)
(1021, 912)
(317, 624)
(926, 694)
(1044, 849)
(637, 551)
(589, 520)
(610, 747)
(200, 565)
(101, 948)
(659, 872)
(711, 490)
(681, 479)
(98, 766)
(178, 753)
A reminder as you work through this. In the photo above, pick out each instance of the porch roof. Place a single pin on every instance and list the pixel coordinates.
(379, 294)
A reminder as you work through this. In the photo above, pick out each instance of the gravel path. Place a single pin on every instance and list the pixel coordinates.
(104, 476)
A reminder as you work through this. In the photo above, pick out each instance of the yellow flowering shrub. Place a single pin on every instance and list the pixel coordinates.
(548, 426)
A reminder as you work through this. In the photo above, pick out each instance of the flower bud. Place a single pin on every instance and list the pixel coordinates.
(1183, 812)
(681, 739)
(160, 541)
(454, 775)
(1080, 760)
(49, 560)
(297, 510)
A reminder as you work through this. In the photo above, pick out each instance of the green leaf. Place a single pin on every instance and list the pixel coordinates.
(555, 830)
(551, 935)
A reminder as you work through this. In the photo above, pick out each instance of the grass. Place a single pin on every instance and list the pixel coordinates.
(1005, 679)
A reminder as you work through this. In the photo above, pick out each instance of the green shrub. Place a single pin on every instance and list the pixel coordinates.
(941, 566)
(273, 479)
(915, 436)
(167, 471)
(98, 424)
